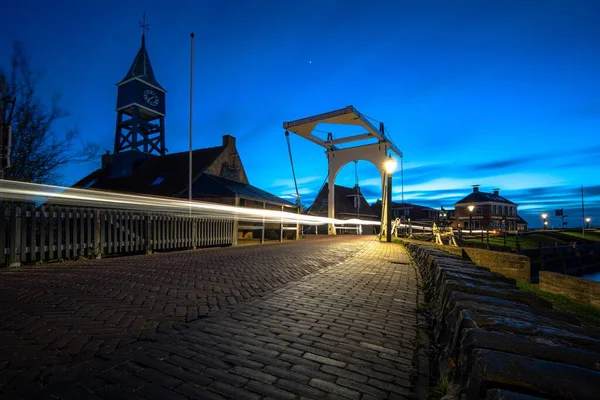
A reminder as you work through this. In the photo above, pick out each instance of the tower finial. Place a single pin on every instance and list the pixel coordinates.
(145, 27)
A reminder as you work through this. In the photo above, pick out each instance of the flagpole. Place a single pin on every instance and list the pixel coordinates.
(191, 107)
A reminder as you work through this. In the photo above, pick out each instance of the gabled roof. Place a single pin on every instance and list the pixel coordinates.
(141, 67)
(400, 206)
(344, 203)
(482, 197)
(172, 168)
(207, 186)
(521, 221)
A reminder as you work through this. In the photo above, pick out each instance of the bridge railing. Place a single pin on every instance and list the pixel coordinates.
(30, 234)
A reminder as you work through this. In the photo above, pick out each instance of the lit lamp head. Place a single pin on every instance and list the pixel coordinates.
(588, 219)
(544, 215)
(390, 165)
(471, 208)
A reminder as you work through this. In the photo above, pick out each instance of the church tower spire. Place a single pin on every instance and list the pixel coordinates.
(140, 106)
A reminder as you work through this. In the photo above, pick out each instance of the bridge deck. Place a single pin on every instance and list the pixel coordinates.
(314, 318)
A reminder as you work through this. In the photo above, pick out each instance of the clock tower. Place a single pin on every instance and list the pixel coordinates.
(140, 109)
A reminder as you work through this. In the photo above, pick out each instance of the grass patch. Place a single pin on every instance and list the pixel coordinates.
(587, 314)
(438, 391)
(589, 235)
(525, 241)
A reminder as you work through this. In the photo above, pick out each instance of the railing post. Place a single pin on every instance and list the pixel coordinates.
(149, 241)
(98, 234)
(15, 236)
(235, 224)
(281, 227)
(262, 232)
(3, 227)
(298, 227)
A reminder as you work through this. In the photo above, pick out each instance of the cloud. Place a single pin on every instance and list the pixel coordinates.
(290, 182)
(500, 164)
(371, 192)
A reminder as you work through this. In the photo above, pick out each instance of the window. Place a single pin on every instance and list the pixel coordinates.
(479, 209)
(90, 183)
(157, 181)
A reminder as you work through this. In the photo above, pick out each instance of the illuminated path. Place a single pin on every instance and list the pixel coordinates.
(318, 318)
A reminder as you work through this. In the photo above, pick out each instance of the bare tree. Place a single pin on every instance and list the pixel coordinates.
(38, 153)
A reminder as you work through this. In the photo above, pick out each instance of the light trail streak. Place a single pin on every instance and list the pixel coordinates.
(58, 195)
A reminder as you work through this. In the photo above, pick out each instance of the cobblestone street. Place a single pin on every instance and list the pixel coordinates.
(318, 318)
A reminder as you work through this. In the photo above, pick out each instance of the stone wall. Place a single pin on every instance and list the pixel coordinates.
(578, 289)
(493, 341)
(508, 264)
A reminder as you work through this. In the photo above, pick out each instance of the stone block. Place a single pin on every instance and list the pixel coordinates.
(553, 349)
(529, 375)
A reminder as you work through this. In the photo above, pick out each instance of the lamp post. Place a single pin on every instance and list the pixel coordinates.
(588, 219)
(471, 207)
(544, 216)
(390, 166)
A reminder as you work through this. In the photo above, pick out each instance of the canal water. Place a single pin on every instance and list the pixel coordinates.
(595, 276)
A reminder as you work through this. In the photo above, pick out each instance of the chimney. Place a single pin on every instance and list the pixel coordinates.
(475, 188)
(228, 140)
(497, 192)
(106, 160)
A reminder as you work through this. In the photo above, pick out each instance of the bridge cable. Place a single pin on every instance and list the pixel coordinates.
(298, 203)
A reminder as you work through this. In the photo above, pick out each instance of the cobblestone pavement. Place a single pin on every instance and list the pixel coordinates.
(323, 318)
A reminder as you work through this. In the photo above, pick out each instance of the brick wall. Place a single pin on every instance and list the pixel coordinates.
(578, 289)
(508, 264)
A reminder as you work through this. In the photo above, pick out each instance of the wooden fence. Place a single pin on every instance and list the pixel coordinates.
(31, 234)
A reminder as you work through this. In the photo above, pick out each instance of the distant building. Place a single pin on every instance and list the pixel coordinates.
(490, 211)
(415, 212)
(521, 224)
(349, 204)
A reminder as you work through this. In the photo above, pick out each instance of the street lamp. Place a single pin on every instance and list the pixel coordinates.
(390, 166)
(544, 216)
(471, 207)
(588, 219)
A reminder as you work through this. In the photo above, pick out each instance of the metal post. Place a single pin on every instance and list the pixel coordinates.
(470, 221)
(388, 223)
(191, 116)
(582, 213)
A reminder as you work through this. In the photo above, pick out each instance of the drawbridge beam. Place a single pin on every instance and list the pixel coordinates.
(345, 116)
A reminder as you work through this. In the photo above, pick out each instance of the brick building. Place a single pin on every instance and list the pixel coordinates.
(490, 211)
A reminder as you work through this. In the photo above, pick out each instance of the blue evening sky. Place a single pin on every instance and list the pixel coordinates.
(498, 93)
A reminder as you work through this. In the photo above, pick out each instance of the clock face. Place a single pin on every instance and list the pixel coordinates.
(151, 97)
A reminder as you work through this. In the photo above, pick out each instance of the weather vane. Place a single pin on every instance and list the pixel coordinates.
(143, 24)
